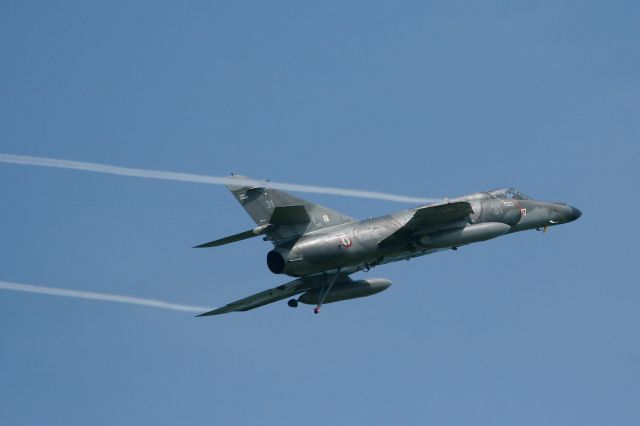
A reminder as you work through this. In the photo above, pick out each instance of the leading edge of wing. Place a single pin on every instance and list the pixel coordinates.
(429, 216)
(272, 295)
(442, 213)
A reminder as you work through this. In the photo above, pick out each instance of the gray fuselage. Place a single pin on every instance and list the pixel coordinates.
(371, 242)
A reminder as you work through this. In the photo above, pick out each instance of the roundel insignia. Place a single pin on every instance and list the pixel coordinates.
(346, 242)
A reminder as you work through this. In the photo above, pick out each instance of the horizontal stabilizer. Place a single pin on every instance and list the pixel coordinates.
(231, 239)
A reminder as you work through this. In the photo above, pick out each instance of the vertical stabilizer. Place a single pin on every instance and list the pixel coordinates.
(267, 205)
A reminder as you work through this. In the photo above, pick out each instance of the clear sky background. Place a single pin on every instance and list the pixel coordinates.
(416, 98)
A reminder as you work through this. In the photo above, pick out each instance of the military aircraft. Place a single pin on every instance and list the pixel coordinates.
(322, 248)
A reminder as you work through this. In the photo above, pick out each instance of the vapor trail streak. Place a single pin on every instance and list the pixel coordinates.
(99, 296)
(212, 180)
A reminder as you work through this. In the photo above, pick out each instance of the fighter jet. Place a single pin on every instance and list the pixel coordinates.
(321, 248)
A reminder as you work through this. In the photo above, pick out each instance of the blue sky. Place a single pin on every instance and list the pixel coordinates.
(416, 98)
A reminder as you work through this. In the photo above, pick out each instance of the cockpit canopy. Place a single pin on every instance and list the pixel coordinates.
(509, 194)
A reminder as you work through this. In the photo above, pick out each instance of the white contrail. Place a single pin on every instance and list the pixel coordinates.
(99, 296)
(212, 180)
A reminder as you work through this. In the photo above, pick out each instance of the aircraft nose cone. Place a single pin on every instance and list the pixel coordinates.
(575, 213)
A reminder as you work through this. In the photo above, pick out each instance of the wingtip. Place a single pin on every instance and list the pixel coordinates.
(206, 245)
(210, 313)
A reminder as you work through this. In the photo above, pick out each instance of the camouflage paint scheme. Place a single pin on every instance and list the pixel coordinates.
(322, 247)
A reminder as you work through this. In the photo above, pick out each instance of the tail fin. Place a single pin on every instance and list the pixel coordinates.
(266, 205)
